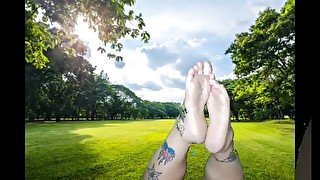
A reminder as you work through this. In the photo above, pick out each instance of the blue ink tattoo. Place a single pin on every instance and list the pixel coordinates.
(166, 154)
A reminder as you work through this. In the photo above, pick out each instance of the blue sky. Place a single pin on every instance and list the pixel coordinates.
(182, 33)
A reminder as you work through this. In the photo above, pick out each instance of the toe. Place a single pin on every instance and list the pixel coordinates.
(190, 75)
(207, 68)
(200, 65)
(196, 69)
(212, 76)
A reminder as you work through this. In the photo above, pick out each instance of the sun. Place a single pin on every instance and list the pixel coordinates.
(82, 29)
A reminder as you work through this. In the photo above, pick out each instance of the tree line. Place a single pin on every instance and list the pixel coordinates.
(69, 88)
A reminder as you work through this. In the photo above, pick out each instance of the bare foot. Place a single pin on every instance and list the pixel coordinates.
(219, 133)
(191, 124)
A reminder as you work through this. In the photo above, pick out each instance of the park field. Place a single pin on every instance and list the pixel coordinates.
(122, 149)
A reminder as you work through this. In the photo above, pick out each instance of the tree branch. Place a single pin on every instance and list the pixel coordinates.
(32, 13)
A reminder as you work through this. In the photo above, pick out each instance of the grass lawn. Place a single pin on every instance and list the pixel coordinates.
(122, 149)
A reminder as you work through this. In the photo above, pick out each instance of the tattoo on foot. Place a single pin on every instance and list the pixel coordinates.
(232, 156)
(153, 174)
(166, 154)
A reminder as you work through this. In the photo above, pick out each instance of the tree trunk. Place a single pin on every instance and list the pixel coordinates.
(92, 113)
(281, 114)
(30, 118)
(47, 118)
(236, 114)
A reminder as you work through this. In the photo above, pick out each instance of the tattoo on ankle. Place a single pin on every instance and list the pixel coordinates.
(153, 174)
(179, 125)
(232, 156)
(180, 121)
(166, 154)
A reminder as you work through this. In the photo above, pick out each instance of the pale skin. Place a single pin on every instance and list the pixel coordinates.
(169, 161)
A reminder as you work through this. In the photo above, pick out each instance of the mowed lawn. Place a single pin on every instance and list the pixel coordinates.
(122, 149)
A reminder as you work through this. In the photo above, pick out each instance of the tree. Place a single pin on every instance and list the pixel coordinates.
(235, 105)
(108, 17)
(56, 90)
(172, 109)
(155, 110)
(68, 87)
(266, 55)
(252, 99)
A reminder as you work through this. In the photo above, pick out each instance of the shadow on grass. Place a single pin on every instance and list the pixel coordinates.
(54, 152)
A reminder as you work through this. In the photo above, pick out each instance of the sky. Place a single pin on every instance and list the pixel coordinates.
(183, 32)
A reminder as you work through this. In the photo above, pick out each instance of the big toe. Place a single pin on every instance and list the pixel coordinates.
(207, 68)
(200, 66)
(191, 74)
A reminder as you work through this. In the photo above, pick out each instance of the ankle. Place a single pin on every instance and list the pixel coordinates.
(225, 152)
(176, 137)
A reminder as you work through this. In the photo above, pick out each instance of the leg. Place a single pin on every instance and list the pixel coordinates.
(224, 166)
(223, 162)
(169, 161)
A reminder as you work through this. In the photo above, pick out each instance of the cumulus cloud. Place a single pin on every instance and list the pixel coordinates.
(133, 87)
(195, 42)
(159, 56)
(157, 70)
(179, 54)
(227, 76)
(164, 95)
(147, 85)
(172, 82)
(119, 64)
(152, 86)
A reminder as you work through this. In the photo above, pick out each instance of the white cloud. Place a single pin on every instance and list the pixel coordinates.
(217, 57)
(255, 6)
(195, 42)
(227, 76)
(169, 71)
(164, 95)
(219, 20)
(193, 32)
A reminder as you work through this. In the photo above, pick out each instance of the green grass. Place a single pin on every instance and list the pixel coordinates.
(122, 149)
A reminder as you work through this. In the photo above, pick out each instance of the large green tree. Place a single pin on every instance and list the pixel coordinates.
(108, 17)
(235, 104)
(56, 90)
(265, 55)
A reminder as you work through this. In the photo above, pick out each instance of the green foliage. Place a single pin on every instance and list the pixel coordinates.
(68, 87)
(264, 59)
(38, 39)
(122, 149)
(108, 18)
(261, 113)
(162, 109)
(56, 90)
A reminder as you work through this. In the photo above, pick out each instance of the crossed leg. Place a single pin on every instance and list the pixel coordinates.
(223, 162)
(169, 161)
